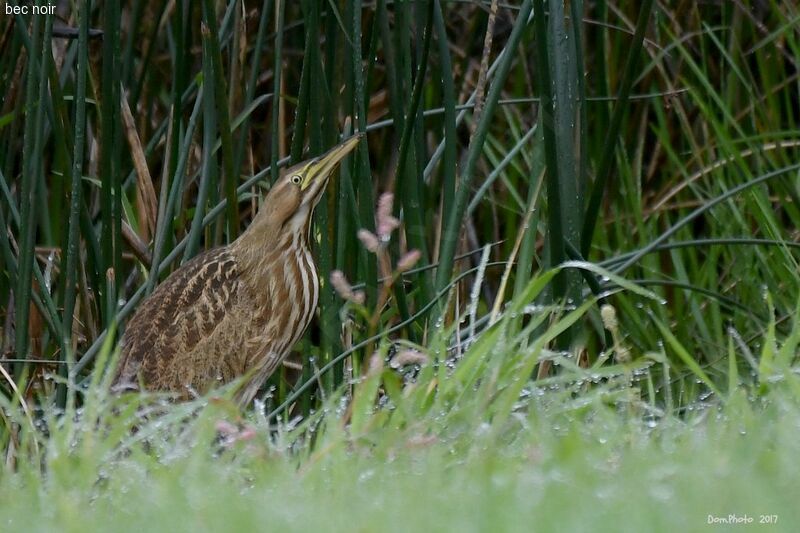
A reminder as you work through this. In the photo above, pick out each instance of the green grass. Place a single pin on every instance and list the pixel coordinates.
(601, 474)
(652, 146)
(585, 450)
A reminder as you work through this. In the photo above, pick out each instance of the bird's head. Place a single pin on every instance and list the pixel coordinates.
(290, 202)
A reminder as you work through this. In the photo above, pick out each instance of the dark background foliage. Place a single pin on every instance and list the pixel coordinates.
(135, 134)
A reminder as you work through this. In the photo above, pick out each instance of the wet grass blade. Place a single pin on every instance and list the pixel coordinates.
(111, 189)
(409, 180)
(252, 81)
(31, 159)
(453, 225)
(362, 175)
(209, 162)
(612, 137)
(555, 233)
(73, 224)
(276, 88)
(230, 178)
(449, 102)
(169, 196)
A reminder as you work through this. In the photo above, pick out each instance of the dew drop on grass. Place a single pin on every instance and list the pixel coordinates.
(533, 309)
(661, 491)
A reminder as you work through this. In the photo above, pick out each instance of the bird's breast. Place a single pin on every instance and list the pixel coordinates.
(285, 293)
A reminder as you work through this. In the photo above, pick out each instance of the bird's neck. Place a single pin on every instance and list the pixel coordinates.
(258, 251)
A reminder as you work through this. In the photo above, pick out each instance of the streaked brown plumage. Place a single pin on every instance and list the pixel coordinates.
(236, 310)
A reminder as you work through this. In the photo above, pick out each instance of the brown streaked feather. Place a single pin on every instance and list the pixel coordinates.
(213, 321)
(186, 308)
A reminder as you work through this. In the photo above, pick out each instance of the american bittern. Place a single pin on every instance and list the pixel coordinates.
(236, 310)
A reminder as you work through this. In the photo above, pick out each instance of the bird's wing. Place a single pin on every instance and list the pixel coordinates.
(169, 324)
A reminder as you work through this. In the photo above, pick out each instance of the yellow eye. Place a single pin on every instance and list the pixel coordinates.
(296, 179)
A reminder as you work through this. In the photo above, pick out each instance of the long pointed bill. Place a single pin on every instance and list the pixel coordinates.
(323, 166)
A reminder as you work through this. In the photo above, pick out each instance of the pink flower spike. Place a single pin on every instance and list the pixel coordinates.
(385, 203)
(344, 290)
(386, 223)
(358, 297)
(408, 261)
(341, 285)
(369, 240)
(386, 226)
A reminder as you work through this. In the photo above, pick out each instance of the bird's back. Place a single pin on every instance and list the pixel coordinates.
(218, 318)
(177, 339)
